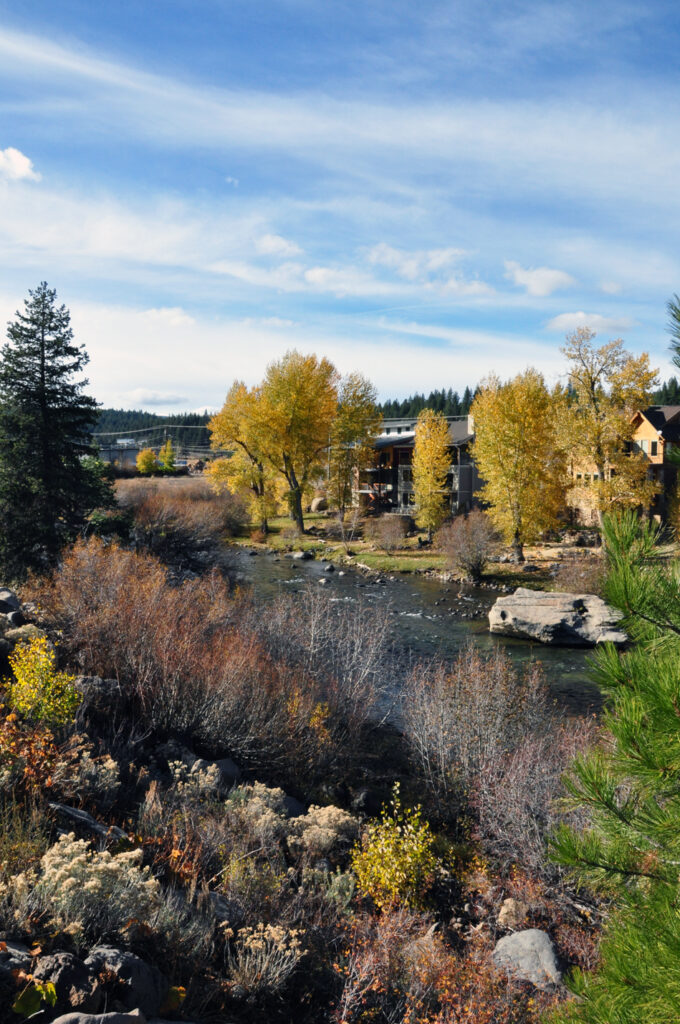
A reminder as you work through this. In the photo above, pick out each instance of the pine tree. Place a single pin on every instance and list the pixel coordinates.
(47, 486)
(631, 786)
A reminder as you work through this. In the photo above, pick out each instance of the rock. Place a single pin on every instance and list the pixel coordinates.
(319, 505)
(9, 602)
(76, 985)
(293, 808)
(367, 801)
(302, 556)
(529, 956)
(229, 771)
(98, 693)
(86, 823)
(134, 1017)
(16, 619)
(15, 955)
(329, 568)
(512, 915)
(22, 634)
(574, 619)
(322, 580)
(140, 986)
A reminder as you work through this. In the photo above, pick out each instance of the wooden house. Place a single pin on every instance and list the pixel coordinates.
(656, 433)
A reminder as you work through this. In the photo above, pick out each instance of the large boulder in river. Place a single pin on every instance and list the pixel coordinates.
(574, 619)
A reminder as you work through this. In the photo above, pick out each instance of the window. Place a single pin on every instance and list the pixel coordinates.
(655, 448)
(644, 446)
(388, 430)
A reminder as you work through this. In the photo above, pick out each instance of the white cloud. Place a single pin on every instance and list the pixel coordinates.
(268, 321)
(538, 281)
(611, 287)
(572, 321)
(143, 396)
(413, 265)
(172, 316)
(14, 166)
(275, 245)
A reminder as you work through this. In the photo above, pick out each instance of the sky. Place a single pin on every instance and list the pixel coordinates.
(425, 193)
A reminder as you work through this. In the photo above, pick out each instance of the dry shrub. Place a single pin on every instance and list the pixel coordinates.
(388, 531)
(581, 574)
(281, 692)
(178, 516)
(458, 717)
(516, 799)
(468, 542)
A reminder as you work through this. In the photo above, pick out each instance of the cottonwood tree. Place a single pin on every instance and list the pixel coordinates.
(630, 787)
(520, 456)
(238, 425)
(47, 486)
(431, 462)
(607, 385)
(357, 421)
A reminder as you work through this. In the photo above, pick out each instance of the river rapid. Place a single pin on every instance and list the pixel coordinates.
(431, 617)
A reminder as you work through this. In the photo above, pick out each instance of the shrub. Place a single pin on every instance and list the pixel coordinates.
(395, 862)
(388, 531)
(264, 957)
(581, 574)
(38, 690)
(459, 718)
(322, 830)
(468, 542)
(92, 895)
(146, 462)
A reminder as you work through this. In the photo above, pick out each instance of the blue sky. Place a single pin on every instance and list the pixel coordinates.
(422, 192)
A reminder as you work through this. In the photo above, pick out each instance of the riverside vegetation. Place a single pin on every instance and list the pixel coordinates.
(207, 815)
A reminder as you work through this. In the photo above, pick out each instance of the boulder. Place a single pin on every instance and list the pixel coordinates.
(140, 986)
(302, 556)
(15, 956)
(230, 773)
(22, 634)
(76, 985)
(319, 505)
(529, 956)
(9, 602)
(84, 822)
(512, 915)
(134, 1017)
(556, 618)
(102, 694)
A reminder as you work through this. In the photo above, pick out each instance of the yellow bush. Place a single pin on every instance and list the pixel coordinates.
(146, 462)
(395, 862)
(38, 690)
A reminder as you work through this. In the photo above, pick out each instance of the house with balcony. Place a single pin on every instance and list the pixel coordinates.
(656, 435)
(387, 486)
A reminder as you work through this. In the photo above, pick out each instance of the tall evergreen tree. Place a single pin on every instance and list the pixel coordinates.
(631, 786)
(47, 485)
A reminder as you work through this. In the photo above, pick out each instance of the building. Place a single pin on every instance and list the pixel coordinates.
(656, 435)
(387, 486)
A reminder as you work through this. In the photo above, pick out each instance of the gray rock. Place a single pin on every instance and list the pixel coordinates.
(229, 772)
(319, 505)
(556, 618)
(292, 808)
(97, 692)
(140, 986)
(9, 602)
(329, 568)
(85, 822)
(134, 1017)
(529, 956)
(76, 985)
(302, 556)
(15, 955)
(21, 634)
(16, 619)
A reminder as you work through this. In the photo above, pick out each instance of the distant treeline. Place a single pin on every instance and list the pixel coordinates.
(120, 421)
(668, 393)
(447, 402)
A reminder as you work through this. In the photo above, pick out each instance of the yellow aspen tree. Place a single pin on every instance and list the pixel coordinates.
(237, 426)
(607, 386)
(519, 455)
(298, 407)
(166, 457)
(431, 463)
(146, 462)
(356, 423)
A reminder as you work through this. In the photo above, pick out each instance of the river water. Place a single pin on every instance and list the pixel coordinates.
(430, 616)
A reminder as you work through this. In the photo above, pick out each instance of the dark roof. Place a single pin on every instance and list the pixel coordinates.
(458, 434)
(665, 419)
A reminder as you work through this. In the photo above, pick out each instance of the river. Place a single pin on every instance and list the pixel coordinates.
(430, 616)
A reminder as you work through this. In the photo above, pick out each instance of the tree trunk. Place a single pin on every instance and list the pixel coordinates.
(517, 548)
